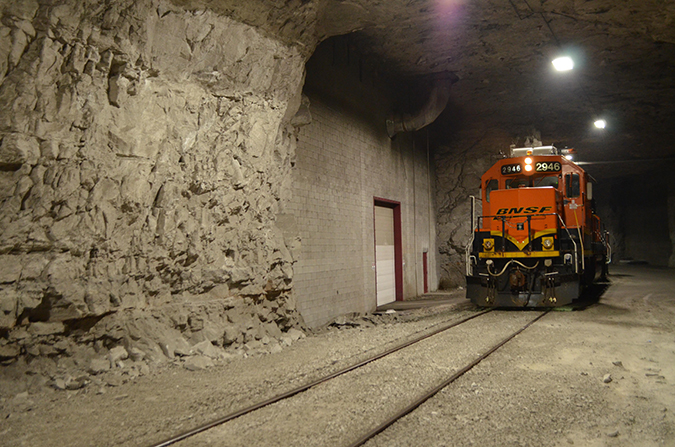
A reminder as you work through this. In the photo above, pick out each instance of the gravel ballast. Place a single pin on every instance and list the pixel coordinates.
(546, 387)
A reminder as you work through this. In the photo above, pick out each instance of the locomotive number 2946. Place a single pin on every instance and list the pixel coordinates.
(511, 169)
(542, 166)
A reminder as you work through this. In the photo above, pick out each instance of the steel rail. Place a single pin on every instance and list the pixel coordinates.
(410, 408)
(300, 389)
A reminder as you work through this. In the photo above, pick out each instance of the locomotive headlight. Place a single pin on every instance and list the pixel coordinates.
(488, 244)
(547, 243)
(528, 164)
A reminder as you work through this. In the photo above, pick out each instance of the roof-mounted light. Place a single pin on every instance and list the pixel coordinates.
(564, 63)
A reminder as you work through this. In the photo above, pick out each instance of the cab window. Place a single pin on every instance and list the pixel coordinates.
(573, 185)
(550, 180)
(518, 182)
(490, 186)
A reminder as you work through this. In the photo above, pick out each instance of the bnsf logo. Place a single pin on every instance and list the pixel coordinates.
(528, 210)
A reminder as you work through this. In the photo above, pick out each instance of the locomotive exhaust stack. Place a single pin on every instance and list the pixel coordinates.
(538, 240)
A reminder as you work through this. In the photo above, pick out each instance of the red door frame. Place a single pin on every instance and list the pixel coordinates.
(425, 270)
(398, 245)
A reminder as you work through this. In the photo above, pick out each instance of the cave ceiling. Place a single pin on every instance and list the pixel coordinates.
(501, 50)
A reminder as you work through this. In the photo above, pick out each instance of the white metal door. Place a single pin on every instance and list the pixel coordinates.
(384, 255)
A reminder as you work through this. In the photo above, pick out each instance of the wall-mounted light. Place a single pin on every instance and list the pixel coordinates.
(563, 63)
(600, 124)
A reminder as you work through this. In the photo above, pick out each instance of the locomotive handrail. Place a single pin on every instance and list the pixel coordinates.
(467, 251)
(576, 253)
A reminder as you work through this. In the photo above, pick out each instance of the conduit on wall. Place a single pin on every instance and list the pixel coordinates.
(438, 99)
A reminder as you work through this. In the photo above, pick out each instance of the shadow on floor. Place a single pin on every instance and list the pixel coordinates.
(591, 295)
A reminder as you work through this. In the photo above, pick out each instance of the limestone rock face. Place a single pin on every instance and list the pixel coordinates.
(460, 181)
(142, 158)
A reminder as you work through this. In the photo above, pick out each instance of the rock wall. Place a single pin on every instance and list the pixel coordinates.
(145, 153)
(458, 171)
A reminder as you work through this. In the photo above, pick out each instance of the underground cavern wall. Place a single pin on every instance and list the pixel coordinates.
(142, 165)
(638, 212)
(146, 170)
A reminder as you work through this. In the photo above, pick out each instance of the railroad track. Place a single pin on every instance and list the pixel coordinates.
(382, 426)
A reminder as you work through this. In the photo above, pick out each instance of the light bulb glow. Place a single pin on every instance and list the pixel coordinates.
(528, 168)
(563, 63)
(600, 124)
(528, 161)
(569, 157)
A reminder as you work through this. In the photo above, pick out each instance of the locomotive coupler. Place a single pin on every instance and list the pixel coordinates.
(516, 280)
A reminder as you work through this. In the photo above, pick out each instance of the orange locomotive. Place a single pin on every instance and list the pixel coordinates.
(538, 240)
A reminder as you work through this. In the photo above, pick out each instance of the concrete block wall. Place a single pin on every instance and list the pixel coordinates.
(343, 163)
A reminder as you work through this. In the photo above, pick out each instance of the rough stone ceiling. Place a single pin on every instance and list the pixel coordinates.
(502, 51)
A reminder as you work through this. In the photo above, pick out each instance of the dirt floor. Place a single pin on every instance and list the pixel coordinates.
(601, 376)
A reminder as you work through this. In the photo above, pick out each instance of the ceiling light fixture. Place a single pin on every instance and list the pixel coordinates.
(563, 63)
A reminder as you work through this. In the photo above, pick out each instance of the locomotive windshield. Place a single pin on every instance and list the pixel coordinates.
(548, 180)
(529, 182)
(518, 182)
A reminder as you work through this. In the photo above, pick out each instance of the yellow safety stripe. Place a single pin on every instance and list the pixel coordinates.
(521, 245)
(519, 254)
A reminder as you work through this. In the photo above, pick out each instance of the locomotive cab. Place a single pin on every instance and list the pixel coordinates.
(538, 239)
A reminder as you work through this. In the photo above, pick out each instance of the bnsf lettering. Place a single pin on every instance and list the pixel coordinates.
(528, 210)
